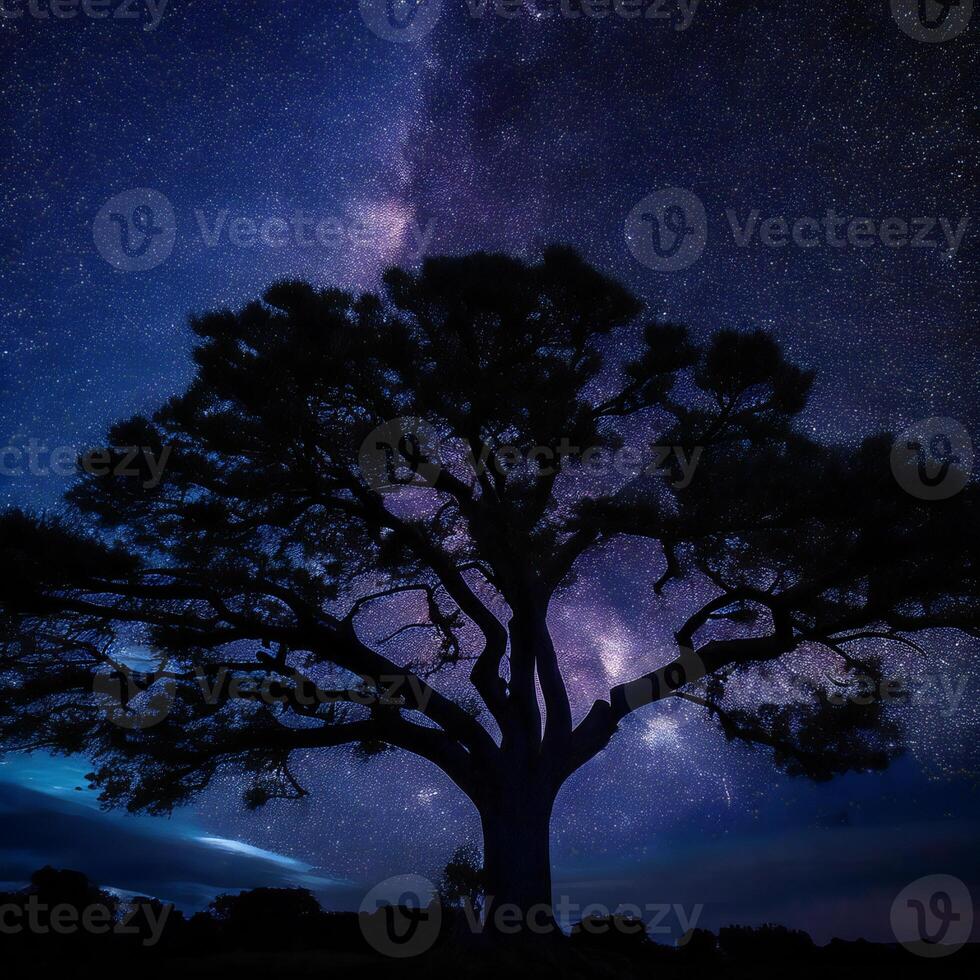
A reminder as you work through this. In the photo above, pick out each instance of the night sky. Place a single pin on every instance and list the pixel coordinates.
(475, 131)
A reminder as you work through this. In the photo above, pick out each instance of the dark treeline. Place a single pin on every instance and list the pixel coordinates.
(62, 914)
(61, 917)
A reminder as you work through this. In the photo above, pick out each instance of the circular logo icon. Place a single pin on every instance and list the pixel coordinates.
(403, 21)
(685, 669)
(401, 453)
(933, 916)
(401, 916)
(932, 21)
(932, 459)
(135, 230)
(668, 230)
(114, 692)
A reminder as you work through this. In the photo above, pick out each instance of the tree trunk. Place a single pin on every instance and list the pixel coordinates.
(517, 864)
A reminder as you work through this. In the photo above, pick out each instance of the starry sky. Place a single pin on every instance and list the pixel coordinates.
(358, 146)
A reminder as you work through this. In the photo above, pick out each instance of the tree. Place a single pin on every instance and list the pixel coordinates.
(60, 913)
(613, 934)
(461, 883)
(766, 942)
(300, 537)
(268, 918)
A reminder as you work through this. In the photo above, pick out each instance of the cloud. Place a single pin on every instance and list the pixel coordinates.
(169, 860)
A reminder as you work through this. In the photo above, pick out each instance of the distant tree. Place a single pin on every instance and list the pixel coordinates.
(54, 909)
(462, 882)
(269, 551)
(698, 944)
(765, 943)
(621, 934)
(203, 936)
(152, 926)
(267, 918)
(53, 886)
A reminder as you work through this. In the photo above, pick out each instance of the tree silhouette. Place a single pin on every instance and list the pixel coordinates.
(51, 914)
(461, 883)
(767, 942)
(302, 538)
(267, 918)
